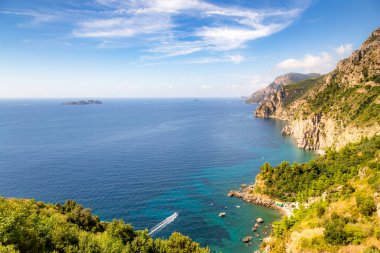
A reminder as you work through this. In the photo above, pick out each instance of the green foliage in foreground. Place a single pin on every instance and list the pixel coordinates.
(343, 190)
(30, 226)
(290, 182)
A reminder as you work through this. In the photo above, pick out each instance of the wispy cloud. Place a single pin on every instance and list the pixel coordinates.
(236, 59)
(122, 27)
(217, 28)
(163, 28)
(344, 49)
(37, 18)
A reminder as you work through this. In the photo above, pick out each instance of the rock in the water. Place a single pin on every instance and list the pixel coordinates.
(287, 130)
(259, 220)
(247, 239)
(234, 194)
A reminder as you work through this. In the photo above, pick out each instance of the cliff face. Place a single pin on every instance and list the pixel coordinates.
(270, 105)
(335, 109)
(266, 93)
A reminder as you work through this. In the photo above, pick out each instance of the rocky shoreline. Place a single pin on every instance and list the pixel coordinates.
(247, 193)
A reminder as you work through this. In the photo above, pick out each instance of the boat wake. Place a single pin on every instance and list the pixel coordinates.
(163, 223)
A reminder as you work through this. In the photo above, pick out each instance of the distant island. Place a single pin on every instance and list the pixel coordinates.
(83, 102)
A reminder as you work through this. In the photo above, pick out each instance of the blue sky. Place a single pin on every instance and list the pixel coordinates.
(171, 48)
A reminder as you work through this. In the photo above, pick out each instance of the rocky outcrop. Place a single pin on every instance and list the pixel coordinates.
(269, 107)
(307, 132)
(319, 132)
(363, 63)
(248, 195)
(341, 107)
(289, 78)
(287, 130)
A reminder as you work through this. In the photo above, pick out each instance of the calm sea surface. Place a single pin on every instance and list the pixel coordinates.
(143, 159)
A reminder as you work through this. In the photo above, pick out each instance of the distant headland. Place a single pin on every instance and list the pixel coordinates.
(83, 102)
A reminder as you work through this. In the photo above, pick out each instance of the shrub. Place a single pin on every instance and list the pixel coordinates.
(335, 233)
(377, 233)
(372, 249)
(355, 235)
(366, 205)
(320, 211)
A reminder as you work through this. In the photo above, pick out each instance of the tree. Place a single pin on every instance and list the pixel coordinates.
(118, 229)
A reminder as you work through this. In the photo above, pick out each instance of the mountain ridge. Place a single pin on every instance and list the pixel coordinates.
(280, 81)
(335, 109)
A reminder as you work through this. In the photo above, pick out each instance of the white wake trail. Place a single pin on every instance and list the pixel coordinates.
(163, 223)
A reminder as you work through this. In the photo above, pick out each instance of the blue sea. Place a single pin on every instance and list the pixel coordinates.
(141, 160)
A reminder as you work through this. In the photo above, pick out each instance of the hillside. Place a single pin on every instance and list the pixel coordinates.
(334, 109)
(31, 226)
(281, 81)
(284, 97)
(339, 199)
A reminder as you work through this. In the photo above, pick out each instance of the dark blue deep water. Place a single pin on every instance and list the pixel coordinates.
(143, 159)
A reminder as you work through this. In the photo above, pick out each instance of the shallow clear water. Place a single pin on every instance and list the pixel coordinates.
(144, 159)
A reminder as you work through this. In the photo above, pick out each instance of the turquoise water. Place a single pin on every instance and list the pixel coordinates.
(143, 159)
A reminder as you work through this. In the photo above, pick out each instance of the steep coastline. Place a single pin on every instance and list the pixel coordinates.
(333, 110)
(332, 203)
(289, 78)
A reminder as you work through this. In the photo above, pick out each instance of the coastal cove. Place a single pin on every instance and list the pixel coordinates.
(143, 159)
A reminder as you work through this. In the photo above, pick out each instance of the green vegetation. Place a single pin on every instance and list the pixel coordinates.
(299, 181)
(340, 191)
(358, 104)
(30, 226)
(296, 90)
(366, 205)
(329, 97)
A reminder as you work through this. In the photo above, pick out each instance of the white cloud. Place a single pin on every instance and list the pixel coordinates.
(122, 27)
(258, 81)
(321, 63)
(37, 17)
(222, 28)
(236, 58)
(227, 38)
(166, 27)
(173, 48)
(165, 6)
(344, 49)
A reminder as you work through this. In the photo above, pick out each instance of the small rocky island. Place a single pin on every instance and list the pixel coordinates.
(84, 102)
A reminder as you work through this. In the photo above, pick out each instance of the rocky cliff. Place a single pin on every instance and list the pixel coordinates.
(289, 78)
(335, 109)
